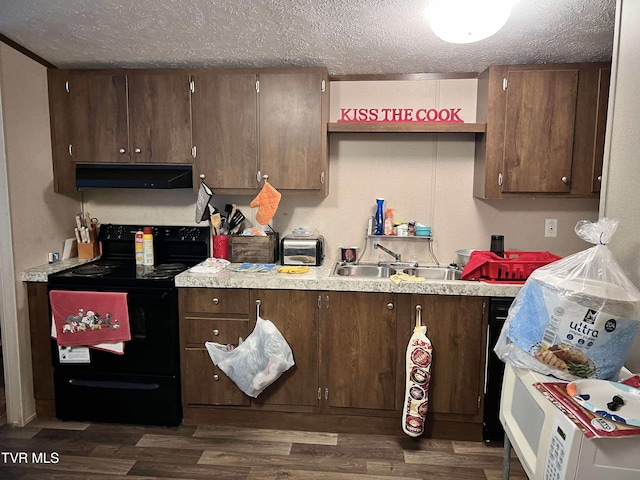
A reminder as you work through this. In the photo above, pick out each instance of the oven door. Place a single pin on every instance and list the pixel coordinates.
(153, 348)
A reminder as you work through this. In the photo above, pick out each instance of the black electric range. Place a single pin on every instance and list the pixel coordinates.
(141, 385)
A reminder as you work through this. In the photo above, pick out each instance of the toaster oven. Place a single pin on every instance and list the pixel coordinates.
(298, 250)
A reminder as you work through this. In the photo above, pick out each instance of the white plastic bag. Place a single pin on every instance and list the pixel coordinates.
(576, 317)
(257, 362)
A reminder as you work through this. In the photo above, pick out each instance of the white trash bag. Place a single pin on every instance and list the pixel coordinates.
(576, 317)
(257, 362)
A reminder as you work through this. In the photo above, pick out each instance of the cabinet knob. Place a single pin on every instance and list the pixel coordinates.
(565, 179)
(216, 377)
(599, 178)
(216, 332)
(122, 150)
(215, 301)
(137, 150)
(390, 306)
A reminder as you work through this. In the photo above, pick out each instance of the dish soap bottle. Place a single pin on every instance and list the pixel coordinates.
(379, 217)
(147, 243)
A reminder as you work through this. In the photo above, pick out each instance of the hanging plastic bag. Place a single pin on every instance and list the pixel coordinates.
(257, 362)
(576, 317)
(418, 375)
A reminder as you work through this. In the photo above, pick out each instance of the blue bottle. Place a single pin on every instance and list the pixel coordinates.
(380, 217)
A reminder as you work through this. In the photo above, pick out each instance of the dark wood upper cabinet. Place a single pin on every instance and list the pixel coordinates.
(544, 130)
(249, 125)
(225, 129)
(99, 124)
(109, 116)
(160, 117)
(293, 138)
(538, 131)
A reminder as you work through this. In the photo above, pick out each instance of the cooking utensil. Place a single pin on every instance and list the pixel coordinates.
(235, 221)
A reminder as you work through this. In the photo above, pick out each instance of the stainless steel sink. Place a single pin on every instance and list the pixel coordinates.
(363, 270)
(435, 273)
(372, 270)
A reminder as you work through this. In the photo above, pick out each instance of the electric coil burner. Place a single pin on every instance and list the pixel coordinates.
(142, 385)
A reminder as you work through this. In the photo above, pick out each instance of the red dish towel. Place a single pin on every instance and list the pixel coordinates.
(89, 318)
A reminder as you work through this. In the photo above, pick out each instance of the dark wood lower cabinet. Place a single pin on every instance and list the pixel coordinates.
(41, 361)
(349, 349)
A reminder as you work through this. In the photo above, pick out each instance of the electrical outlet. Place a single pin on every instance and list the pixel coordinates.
(551, 227)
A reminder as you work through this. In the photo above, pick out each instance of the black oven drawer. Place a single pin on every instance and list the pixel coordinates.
(144, 400)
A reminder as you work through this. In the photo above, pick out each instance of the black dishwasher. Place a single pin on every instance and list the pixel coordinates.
(492, 428)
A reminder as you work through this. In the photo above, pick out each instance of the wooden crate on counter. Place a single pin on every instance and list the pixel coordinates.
(254, 249)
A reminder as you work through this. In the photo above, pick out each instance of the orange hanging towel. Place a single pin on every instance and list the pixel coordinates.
(267, 202)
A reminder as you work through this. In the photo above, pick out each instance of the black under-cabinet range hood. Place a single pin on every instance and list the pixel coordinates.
(133, 176)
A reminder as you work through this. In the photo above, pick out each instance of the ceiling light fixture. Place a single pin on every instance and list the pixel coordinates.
(466, 21)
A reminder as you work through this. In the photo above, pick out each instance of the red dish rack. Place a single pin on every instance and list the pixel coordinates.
(515, 267)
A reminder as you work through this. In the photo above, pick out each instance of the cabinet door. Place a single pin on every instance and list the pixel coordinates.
(292, 130)
(295, 314)
(160, 117)
(98, 112)
(604, 75)
(225, 130)
(61, 135)
(206, 384)
(359, 351)
(539, 130)
(456, 329)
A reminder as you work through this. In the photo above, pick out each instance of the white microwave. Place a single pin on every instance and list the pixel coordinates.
(550, 446)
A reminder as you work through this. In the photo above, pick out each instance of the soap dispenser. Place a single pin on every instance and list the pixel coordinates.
(380, 217)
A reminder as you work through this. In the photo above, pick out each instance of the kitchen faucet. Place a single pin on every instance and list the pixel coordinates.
(385, 249)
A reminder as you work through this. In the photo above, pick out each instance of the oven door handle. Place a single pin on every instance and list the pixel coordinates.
(114, 385)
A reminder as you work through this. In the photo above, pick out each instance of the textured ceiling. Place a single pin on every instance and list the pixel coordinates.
(347, 37)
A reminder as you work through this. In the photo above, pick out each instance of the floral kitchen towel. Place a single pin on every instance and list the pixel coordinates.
(89, 318)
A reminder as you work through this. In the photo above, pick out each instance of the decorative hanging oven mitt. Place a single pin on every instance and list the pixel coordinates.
(418, 375)
(267, 202)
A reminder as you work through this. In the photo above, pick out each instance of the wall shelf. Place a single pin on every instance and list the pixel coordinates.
(396, 237)
(405, 127)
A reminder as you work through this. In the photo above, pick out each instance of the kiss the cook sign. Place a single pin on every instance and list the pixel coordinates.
(419, 115)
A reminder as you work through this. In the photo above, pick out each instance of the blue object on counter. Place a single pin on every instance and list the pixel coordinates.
(380, 217)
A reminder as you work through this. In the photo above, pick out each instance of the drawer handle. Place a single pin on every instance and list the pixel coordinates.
(390, 306)
(216, 332)
(216, 377)
(215, 301)
(122, 150)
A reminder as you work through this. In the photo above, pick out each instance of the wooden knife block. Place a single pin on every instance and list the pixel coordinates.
(88, 250)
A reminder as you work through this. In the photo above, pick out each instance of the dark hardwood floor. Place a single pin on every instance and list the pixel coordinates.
(50, 449)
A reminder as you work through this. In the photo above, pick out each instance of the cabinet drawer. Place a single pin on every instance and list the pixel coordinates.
(215, 300)
(200, 330)
(206, 384)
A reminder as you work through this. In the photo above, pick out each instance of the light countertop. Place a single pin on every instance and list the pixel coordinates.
(42, 272)
(319, 278)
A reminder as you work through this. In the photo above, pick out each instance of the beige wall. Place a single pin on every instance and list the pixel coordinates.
(621, 197)
(36, 215)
